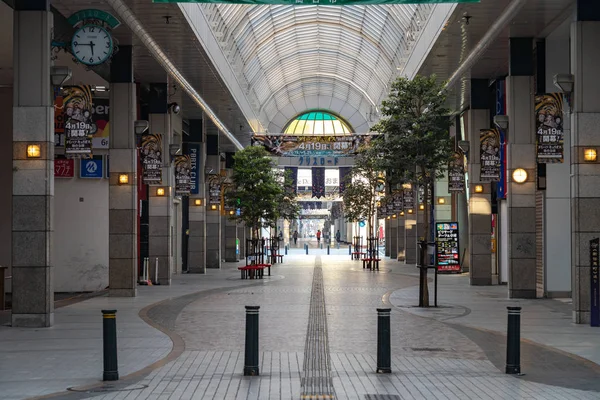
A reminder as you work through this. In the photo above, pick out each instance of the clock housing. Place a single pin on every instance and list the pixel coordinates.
(92, 45)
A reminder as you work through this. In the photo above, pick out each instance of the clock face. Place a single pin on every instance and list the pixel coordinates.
(92, 45)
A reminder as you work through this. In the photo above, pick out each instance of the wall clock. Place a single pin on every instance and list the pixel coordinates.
(92, 45)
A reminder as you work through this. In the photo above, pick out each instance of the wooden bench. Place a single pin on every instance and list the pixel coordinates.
(357, 254)
(373, 263)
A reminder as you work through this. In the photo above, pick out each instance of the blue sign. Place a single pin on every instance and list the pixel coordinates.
(194, 151)
(362, 224)
(91, 168)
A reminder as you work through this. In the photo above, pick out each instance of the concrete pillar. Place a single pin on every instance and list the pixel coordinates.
(393, 238)
(229, 226)
(213, 217)
(480, 204)
(521, 154)
(387, 232)
(400, 240)
(241, 237)
(160, 208)
(195, 146)
(123, 199)
(33, 183)
(585, 191)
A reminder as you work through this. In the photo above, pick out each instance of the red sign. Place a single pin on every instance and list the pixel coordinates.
(64, 168)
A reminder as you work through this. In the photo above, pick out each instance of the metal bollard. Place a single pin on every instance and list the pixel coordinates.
(109, 336)
(306, 248)
(286, 249)
(327, 249)
(513, 341)
(349, 249)
(251, 356)
(384, 353)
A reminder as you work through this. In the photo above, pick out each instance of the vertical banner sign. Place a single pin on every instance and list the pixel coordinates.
(318, 182)
(389, 203)
(549, 128)
(344, 176)
(77, 114)
(447, 249)
(183, 168)
(193, 151)
(398, 202)
(489, 146)
(59, 122)
(456, 173)
(100, 123)
(501, 110)
(595, 282)
(409, 199)
(214, 189)
(291, 173)
(152, 158)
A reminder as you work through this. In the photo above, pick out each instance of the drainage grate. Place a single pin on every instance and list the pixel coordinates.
(382, 397)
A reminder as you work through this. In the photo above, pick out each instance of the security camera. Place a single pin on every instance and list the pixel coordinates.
(174, 108)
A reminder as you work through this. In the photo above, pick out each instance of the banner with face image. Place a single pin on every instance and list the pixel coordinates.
(549, 128)
(489, 147)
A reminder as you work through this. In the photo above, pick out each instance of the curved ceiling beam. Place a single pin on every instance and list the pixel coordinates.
(136, 27)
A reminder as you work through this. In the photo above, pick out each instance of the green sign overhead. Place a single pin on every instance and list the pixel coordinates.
(90, 14)
(319, 2)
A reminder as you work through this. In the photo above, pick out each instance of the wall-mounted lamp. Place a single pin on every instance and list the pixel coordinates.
(140, 126)
(566, 83)
(34, 151)
(123, 179)
(441, 200)
(590, 155)
(402, 213)
(519, 175)
(213, 206)
(410, 211)
(59, 75)
(464, 146)
(478, 188)
(231, 212)
(160, 191)
(197, 202)
(421, 206)
(388, 217)
(406, 186)
(501, 121)
(394, 216)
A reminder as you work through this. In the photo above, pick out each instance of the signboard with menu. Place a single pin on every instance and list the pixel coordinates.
(447, 249)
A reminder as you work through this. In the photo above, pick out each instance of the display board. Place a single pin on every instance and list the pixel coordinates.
(447, 248)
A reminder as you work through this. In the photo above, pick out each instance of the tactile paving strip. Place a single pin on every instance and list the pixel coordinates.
(316, 373)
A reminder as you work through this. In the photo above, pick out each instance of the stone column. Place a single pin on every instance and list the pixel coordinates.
(400, 240)
(393, 238)
(213, 216)
(480, 204)
(161, 201)
(33, 182)
(386, 229)
(123, 198)
(521, 154)
(195, 146)
(585, 120)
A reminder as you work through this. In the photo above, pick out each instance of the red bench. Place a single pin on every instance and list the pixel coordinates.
(254, 271)
(373, 263)
(356, 255)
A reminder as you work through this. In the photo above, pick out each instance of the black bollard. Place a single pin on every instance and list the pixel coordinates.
(327, 249)
(109, 336)
(384, 353)
(349, 249)
(306, 248)
(251, 356)
(513, 341)
(286, 249)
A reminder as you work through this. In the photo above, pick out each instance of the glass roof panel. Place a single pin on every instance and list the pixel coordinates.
(318, 122)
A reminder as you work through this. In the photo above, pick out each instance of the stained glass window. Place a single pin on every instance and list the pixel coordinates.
(317, 123)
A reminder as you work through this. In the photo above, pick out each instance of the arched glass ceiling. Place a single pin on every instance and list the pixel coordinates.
(283, 52)
(317, 123)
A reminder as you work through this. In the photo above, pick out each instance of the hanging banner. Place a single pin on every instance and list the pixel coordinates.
(78, 124)
(501, 187)
(489, 145)
(549, 128)
(344, 176)
(389, 204)
(595, 282)
(409, 199)
(59, 121)
(311, 145)
(456, 173)
(292, 174)
(100, 123)
(214, 189)
(183, 167)
(447, 249)
(193, 151)
(398, 201)
(152, 158)
(318, 182)
(319, 2)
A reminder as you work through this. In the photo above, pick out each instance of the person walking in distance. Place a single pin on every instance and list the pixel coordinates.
(338, 236)
(295, 236)
(319, 236)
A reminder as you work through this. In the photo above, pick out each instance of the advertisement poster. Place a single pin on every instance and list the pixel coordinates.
(183, 168)
(409, 199)
(389, 203)
(549, 128)
(321, 145)
(489, 142)
(595, 282)
(78, 124)
(100, 125)
(64, 167)
(214, 190)
(447, 249)
(456, 173)
(398, 202)
(91, 168)
(151, 151)
(318, 182)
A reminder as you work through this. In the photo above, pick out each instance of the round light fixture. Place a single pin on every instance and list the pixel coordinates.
(519, 175)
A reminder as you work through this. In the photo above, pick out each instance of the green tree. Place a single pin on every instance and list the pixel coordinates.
(257, 190)
(415, 142)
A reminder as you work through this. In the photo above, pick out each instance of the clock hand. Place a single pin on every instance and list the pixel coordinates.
(92, 47)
